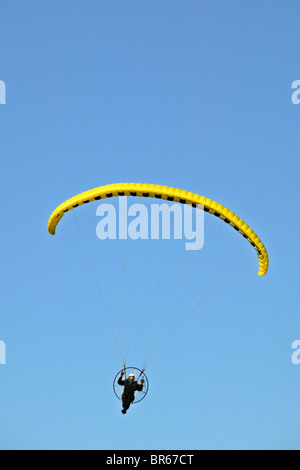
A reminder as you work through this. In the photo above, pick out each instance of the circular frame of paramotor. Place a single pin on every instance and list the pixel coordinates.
(139, 375)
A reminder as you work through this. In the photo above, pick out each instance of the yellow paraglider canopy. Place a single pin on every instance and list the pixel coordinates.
(168, 194)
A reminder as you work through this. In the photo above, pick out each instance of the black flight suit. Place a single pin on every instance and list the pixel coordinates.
(129, 390)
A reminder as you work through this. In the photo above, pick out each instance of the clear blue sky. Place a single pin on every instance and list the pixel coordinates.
(190, 94)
